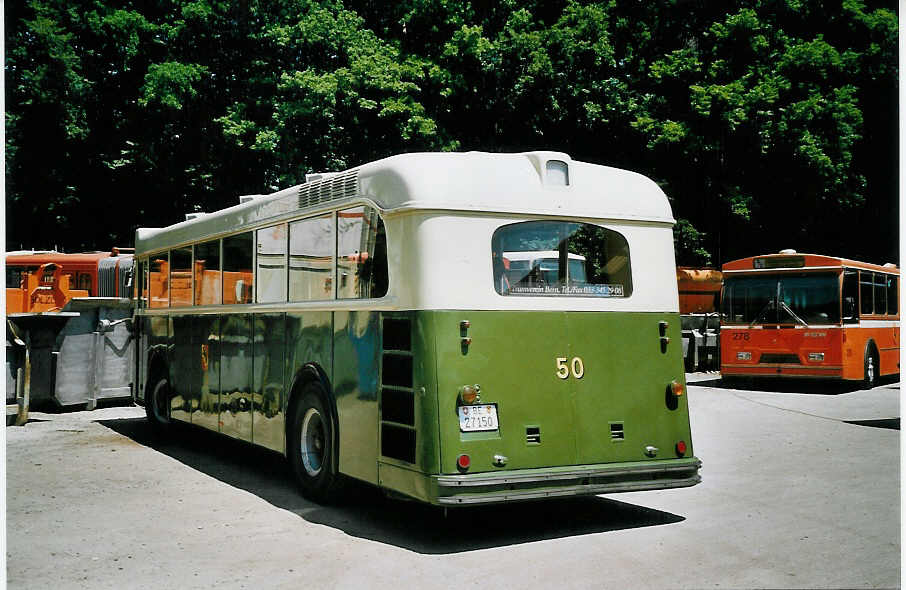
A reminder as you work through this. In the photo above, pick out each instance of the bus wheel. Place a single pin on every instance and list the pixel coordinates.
(156, 405)
(871, 369)
(311, 449)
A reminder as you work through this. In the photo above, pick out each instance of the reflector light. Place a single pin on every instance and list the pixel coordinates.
(681, 448)
(677, 388)
(463, 461)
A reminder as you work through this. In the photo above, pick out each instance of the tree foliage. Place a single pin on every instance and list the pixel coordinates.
(768, 123)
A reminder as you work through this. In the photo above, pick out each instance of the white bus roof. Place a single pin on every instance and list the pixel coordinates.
(468, 182)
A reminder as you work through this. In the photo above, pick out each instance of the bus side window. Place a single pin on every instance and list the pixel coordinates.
(181, 277)
(311, 246)
(893, 294)
(159, 280)
(880, 293)
(271, 264)
(866, 292)
(207, 273)
(850, 296)
(361, 254)
(238, 278)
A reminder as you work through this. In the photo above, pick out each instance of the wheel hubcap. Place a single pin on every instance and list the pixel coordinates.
(871, 370)
(313, 442)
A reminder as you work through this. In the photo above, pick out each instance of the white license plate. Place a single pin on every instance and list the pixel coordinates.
(478, 418)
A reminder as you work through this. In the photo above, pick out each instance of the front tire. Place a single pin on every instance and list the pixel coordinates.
(311, 449)
(872, 367)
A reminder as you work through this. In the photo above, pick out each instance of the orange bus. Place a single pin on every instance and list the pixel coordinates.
(805, 315)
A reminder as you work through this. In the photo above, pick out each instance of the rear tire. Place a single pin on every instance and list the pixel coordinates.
(157, 405)
(311, 449)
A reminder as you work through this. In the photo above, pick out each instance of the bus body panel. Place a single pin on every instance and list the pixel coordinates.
(206, 340)
(236, 376)
(611, 413)
(782, 351)
(843, 347)
(628, 370)
(465, 279)
(355, 382)
(268, 395)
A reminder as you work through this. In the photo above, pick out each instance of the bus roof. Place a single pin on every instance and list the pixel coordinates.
(792, 260)
(522, 183)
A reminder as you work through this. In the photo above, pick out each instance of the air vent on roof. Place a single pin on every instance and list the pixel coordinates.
(338, 185)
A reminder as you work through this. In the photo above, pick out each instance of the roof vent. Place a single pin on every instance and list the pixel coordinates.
(890, 265)
(320, 176)
(191, 216)
(328, 186)
(788, 251)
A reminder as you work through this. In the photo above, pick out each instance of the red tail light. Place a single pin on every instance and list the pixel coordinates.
(681, 448)
(463, 462)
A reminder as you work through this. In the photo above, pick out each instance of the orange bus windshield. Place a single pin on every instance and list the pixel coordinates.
(789, 298)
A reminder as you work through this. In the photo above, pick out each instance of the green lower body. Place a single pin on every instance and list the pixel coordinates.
(583, 398)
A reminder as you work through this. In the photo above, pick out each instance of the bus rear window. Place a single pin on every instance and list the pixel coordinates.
(558, 258)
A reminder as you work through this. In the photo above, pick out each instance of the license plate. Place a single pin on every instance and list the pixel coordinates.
(478, 418)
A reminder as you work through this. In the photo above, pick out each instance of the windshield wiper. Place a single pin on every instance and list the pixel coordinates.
(787, 309)
(768, 306)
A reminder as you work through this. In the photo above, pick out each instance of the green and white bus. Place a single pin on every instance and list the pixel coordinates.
(369, 324)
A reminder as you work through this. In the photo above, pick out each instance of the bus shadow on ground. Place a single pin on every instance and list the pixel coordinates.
(780, 385)
(367, 513)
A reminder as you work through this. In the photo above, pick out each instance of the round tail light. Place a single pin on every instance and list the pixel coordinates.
(463, 462)
(681, 448)
(470, 394)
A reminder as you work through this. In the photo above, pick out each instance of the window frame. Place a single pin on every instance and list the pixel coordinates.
(497, 242)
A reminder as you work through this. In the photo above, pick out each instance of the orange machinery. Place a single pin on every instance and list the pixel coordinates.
(699, 301)
(699, 289)
(45, 281)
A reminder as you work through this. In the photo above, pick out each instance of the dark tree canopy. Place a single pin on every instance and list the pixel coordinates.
(769, 123)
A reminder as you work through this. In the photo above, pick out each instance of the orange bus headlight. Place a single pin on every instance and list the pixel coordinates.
(743, 356)
(816, 357)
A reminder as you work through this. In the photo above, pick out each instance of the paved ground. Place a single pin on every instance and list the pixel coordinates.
(800, 490)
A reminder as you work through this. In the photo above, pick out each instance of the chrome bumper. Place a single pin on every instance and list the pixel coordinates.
(532, 484)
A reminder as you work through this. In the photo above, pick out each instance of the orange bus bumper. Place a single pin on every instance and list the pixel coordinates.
(785, 370)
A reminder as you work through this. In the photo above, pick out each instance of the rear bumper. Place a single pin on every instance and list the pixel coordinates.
(583, 480)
